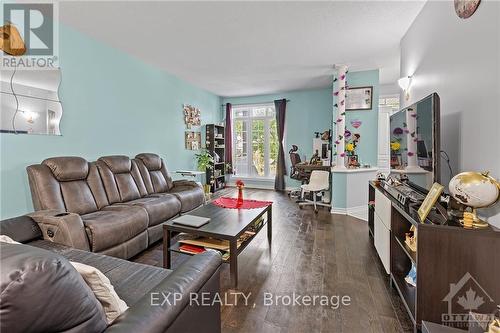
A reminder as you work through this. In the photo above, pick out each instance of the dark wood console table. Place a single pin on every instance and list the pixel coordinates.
(449, 261)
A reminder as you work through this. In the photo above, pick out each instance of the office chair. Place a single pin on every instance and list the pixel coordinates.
(319, 184)
(295, 173)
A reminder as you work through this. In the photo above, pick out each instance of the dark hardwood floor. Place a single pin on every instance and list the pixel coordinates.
(321, 254)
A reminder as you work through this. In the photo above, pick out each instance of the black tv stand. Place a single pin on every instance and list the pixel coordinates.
(445, 254)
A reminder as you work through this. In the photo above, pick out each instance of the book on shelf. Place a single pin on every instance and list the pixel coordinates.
(191, 249)
(206, 242)
(216, 244)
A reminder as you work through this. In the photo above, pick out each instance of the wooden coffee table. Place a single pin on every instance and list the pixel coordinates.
(225, 224)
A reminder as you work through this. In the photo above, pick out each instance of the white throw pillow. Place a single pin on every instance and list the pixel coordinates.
(103, 290)
(7, 239)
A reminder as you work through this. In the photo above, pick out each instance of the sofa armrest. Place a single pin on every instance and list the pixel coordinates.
(171, 300)
(185, 182)
(21, 229)
(61, 227)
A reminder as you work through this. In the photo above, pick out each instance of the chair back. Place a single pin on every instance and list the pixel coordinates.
(320, 179)
(294, 158)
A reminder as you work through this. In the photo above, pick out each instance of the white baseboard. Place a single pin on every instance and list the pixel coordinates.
(359, 212)
(340, 211)
(261, 184)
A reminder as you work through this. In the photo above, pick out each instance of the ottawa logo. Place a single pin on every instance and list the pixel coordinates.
(464, 297)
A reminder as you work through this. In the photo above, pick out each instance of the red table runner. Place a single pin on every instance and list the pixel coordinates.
(246, 204)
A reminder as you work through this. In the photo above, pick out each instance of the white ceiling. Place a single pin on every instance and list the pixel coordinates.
(251, 48)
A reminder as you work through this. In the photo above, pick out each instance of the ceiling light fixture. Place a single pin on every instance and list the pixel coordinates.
(405, 83)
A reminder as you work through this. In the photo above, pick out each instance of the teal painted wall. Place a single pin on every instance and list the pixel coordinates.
(308, 111)
(113, 104)
(367, 148)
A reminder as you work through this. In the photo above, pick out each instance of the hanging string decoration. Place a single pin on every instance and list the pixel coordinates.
(339, 92)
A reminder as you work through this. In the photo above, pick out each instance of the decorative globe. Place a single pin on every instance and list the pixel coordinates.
(474, 189)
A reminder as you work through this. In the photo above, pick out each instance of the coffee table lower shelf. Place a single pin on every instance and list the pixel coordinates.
(176, 246)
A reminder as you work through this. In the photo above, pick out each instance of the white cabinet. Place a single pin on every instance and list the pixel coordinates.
(382, 242)
(382, 228)
(383, 208)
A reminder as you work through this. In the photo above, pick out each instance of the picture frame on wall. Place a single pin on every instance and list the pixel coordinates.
(359, 98)
(192, 140)
(192, 116)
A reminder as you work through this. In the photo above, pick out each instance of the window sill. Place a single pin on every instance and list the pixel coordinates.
(249, 178)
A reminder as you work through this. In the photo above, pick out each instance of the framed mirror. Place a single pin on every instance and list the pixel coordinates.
(29, 101)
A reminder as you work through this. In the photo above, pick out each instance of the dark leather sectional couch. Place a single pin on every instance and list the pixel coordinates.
(42, 292)
(114, 206)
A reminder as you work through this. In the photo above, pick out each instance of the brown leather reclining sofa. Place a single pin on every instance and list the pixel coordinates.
(113, 206)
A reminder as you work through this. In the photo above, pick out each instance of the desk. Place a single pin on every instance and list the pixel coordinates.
(306, 167)
(191, 173)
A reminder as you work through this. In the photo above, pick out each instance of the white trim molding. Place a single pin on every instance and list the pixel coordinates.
(359, 212)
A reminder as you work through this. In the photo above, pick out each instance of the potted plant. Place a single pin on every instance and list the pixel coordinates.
(205, 162)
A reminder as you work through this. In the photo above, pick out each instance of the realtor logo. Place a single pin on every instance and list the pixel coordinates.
(29, 35)
(465, 296)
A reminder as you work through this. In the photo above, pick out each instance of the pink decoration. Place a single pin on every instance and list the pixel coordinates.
(407, 131)
(410, 153)
(336, 93)
(356, 123)
(341, 102)
(347, 134)
(342, 77)
(225, 202)
(414, 115)
(337, 142)
(339, 120)
(342, 154)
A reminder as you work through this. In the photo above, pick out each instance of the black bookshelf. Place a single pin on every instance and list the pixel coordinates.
(215, 144)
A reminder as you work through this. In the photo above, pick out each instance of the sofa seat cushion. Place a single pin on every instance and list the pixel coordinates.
(189, 196)
(130, 280)
(114, 225)
(159, 208)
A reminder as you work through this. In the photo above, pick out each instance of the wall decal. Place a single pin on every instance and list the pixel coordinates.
(356, 123)
(339, 93)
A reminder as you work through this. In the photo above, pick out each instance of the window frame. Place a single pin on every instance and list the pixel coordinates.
(247, 122)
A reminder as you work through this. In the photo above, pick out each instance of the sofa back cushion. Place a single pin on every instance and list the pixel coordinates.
(42, 292)
(154, 173)
(68, 183)
(121, 178)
